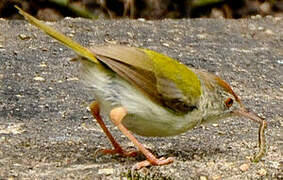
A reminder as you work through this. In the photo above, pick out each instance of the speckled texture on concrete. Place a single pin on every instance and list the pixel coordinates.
(46, 131)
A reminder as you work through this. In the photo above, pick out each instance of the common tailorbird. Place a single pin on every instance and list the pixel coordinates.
(150, 94)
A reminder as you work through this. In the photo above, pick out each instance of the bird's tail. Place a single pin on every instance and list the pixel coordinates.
(79, 49)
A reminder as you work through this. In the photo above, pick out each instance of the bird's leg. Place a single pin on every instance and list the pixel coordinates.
(117, 115)
(94, 108)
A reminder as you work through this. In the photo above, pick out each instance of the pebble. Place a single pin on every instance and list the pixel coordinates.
(73, 79)
(17, 128)
(106, 171)
(23, 36)
(42, 65)
(268, 31)
(262, 172)
(166, 44)
(216, 177)
(203, 178)
(201, 36)
(38, 78)
(275, 164)
(141, 19)
(260, 28)
(244, 167)
(277, 18)
(130, 34)
(215, 124)
(85, 117)
(252, 27)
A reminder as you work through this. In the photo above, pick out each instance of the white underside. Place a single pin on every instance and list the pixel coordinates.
(144, 117)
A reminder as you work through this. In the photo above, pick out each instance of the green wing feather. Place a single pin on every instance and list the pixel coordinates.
(169, 71)
(164, 79)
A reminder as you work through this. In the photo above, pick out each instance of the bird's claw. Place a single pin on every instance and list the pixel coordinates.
(155, 162)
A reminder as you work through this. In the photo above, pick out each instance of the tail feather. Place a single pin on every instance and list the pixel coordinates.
(79, 49)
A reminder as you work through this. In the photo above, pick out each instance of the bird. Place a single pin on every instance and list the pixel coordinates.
(151, 94)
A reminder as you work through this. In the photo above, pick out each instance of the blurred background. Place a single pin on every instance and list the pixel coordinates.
(53, 10)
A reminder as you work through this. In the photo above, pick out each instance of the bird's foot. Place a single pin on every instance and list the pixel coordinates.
(155, 162)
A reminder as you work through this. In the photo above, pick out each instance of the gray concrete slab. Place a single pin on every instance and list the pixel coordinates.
(46, 131)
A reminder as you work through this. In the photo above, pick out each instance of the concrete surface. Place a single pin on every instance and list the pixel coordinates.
(46, 131)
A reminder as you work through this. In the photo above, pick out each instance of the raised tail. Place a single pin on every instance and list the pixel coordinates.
(79, 49)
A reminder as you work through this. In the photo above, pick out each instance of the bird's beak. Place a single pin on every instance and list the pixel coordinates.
(246, 113)
(263, 124)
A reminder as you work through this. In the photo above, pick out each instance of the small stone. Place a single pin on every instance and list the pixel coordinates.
(42, 65)
(165, 44)
(210, 164)
(252, 27)
(196, 157)
(141, 19)
(277, 18)
(244, 167)
(260, 28)
(23, 36)
(38, 78)
(88, 108)
(2, 139)
(221, 132)
(262, 172)
(17, 128)
(73, 79)
(258, 16)
(106, 171)
(215, 124)
(130, 34)
(216, 177)
(85, 117)
(203, 178)
(268, 31)
(275, 164)
(201, 36)
(114, 42)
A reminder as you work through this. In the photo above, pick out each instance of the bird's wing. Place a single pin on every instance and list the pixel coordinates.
(163, 79)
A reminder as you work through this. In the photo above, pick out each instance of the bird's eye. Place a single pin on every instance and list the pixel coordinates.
(229, 102)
